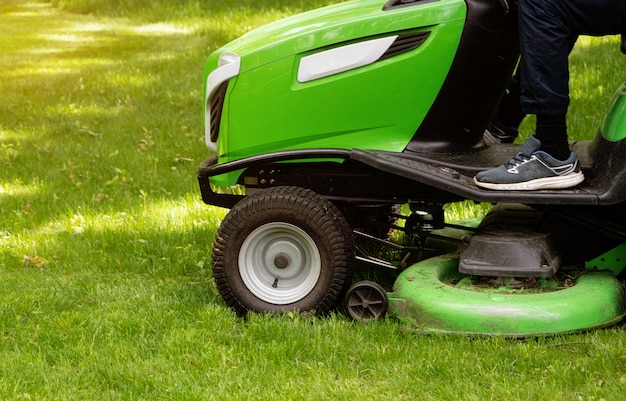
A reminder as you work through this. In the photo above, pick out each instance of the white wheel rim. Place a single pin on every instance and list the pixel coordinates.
(279, 263)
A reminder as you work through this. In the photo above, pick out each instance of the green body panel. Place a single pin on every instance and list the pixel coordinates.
(376, 106)
(422, 298)
(613, 260)
(614, 125)
(328, 26)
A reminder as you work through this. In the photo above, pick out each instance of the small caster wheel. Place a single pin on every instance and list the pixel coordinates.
(366, 301)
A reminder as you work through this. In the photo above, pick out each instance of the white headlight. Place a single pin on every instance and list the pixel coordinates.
(229, 65)
(228, 58)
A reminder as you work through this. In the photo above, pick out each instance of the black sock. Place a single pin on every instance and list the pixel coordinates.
(552, 133)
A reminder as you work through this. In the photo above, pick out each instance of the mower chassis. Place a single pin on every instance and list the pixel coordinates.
(452, 174)
(595, 300)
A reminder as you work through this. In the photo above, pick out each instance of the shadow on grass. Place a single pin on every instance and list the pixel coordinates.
(101, 131)
(96, 110)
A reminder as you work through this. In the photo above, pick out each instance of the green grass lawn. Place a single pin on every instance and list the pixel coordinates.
(105, 244)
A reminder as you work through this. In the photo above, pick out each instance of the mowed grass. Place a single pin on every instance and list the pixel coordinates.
(105, 244)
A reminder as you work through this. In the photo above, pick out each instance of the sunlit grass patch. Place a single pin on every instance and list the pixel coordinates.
(465, 210)
(18, 189)
(595, 65)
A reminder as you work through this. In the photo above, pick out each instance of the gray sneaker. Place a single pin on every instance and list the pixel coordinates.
(498, 133)
(532, 169)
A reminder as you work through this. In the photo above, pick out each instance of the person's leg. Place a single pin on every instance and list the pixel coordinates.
(551, 129)
(503, 127)
(545, 44)
(510, 112)
(548, 31)
(540, 85)
(545, 160)
(595, 17)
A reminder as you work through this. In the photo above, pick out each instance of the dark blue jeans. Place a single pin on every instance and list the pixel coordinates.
(548, 31)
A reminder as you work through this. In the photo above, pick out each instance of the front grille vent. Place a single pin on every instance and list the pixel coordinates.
(216, 104)
(405, 43)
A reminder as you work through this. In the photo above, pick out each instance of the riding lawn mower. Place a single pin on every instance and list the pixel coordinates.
(345, 127)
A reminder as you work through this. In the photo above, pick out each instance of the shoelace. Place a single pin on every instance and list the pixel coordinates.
(518, 160)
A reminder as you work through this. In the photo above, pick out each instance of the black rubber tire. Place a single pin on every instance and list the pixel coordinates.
(366, 301)
(300, 211)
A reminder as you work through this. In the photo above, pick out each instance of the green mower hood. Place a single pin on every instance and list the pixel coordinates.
(333, 25)
(361, 72)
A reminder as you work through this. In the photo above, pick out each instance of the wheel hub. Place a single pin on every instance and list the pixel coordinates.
(279, 263)
(282, 260)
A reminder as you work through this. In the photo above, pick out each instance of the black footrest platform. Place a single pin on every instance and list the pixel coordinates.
(458, 179)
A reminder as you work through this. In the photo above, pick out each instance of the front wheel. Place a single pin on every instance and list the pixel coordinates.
(283, 249)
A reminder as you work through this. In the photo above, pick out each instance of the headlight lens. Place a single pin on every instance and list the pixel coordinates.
(227, 58)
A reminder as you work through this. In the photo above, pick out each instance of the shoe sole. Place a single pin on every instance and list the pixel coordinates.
(558, 182)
